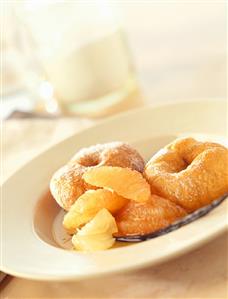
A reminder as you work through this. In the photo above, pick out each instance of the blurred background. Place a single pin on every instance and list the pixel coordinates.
(65, 64)
(96, 58)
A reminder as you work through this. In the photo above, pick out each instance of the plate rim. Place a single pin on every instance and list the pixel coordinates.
(122, 269)
(178, 252)
(113, 118)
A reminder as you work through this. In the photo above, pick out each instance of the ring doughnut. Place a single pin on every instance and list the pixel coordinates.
(147, 217)
(188, 172)
(67, 183)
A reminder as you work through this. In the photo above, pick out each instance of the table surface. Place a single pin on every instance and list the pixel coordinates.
(202, 273)
(180, 53)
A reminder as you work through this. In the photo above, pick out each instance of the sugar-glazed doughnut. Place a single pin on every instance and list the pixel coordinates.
(67, 183)
(190, 173)
(147, 217)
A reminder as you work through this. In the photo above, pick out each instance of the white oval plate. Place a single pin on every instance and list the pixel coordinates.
(28, 247)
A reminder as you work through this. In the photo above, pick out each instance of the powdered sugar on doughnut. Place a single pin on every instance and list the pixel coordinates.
(190, 173)
(67, 183)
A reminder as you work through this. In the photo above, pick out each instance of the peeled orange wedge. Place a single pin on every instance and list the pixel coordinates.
(124, 181)
(143, 218)
(87, 206)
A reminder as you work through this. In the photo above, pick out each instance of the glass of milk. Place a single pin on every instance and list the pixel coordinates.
(83, 54)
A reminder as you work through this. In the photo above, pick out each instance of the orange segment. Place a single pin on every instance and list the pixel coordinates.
(124, 181)
(143, 218)
(97, 234)
(89, 204)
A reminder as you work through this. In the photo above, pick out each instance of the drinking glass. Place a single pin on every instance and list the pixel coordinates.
(81, 54)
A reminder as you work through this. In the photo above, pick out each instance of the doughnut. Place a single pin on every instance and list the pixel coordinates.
(147, 217)
(67, 183)
(188, 172)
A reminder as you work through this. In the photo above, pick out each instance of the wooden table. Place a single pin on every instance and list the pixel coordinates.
(180, 53)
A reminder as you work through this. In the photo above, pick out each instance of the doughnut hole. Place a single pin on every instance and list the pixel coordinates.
(168, 161)
(89, 161)
(86, 158)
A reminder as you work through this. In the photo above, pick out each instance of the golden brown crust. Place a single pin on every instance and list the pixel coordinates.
(150, 216)
(110, 154)
(67, 183)
(188, 172)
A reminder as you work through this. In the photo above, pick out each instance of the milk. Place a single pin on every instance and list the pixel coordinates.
(89, 71)
(82, 51)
